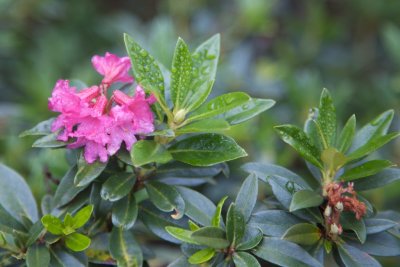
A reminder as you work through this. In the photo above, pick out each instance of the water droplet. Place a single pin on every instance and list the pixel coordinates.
(173, 70)
(143, 53)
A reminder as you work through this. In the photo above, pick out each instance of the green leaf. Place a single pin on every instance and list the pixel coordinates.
(8, 223)
(219, 105)
(333, 159)
(247, 196)
(251, 238)
(15, 195)
(247, 110)
(391, 40)
(193, 226)
(303, 234)
(49, 141)
(235, 225)
(181, 234)
(202, 256)
(349, 222)
(205, 60)
(313, 130)
(42, 128)
(77, 242)
(82, 217)
(380, 179)
(212, 237)
(166, 198)
(381, 244)
(68, 222)
(305, 199)
(376, 225)
(298, 139)
(209, 125)
(347, 135)
(125, 249)
(372, 145)
(61, 257)
(181, 75)
(37, 256)
(88, 172)
(354, 257)
(53, 224)
(35, 232)
(124, 212)
(366, 169)
(326, 118)
(147, 151)
(206, 149)
(244, 259)
(284, 253)
(216, 219)
(118, 186)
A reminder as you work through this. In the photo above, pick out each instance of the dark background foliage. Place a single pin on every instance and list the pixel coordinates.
(286, 50)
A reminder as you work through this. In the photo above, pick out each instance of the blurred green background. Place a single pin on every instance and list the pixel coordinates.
(287, 50)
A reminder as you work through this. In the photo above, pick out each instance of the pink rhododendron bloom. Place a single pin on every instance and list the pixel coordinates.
(113, 68)
(98, 124)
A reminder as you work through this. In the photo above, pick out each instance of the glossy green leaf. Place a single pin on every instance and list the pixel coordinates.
(380, 244)
(181, 75)
(366, 169)
(219, 105)
(247, 196)
(37, 256)
(244, 259)
(313, 129)
(212, 237)
(251, 238)
(118, 186)
(377, 225)
(77, 242)
(305, 199)
(347, 135)
(181, 234)
(354, 257)
(380, 179)
(124, 212)
(42, 128)
(205, 60)
(166, 198)
(147, 151)
(15, 195)
(216, 219)
(202, 256)
(247, 110)
(206, 149)
(303, 234)
(208, 125)
(8, 223)
(68, 222)
(235, 225)
(125, 249)
(298, 139)
(193, 226)
(88, 172)
(82, 217)
(349, 222)
(326, 118)
(49, 141)
(52, 224)
(284, 253)
(61, 257)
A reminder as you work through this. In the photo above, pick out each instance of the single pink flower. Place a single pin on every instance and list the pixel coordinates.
(114, 68)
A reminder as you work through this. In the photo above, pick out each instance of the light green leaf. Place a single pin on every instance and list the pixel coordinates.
(333, 159)
(216, 219)
(209, 125)
(88, 172)
(82, 217)
(125, 249)
(147, 151)
(247, 110)
(77, 242)
(244, 259)
(235, 225)
(37, 256)
(212, 237)
(305, 199)
(181, 234)
(366, 169)
(206, 149)
(118, 186)
(124, 212)
(326, 118)
(42, 128)
(202, 256)
(53, 224)
(303, 234)
(347, 135)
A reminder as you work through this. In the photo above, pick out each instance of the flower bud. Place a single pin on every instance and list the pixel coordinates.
(179, 116)
(339, 206)
(334, 229)
(328, 211)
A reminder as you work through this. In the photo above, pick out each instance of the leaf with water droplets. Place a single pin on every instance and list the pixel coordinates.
(327, 118)
(366, 169)
(147, 151)
(347, 135)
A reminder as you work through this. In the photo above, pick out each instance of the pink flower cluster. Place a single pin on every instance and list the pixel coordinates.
(98, 124)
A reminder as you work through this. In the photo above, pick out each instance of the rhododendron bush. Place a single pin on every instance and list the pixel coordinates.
(141, 141)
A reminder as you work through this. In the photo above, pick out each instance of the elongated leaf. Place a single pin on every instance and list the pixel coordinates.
(208, 125)
(313, 129)
(247, 110)
(77, 241)
(247, 196)
(37, 256)
(303, 234)
(146, 151)
(206, 149)
(251, 238)
(298, 139)
(8, 223)
(244, 259)
(219, 105)
(125, 249)
(380, 244)
(216, 219)
(349, 222)
(42, 128)
(201, 256)
(82, 217)
(347, 135)
(354, 257)
(212, 237)
(166, 198)
(284, 253)
(124, 212)
(35, 232)
(235, 225)
(15, 195)
(205, 60)
(366, 169)
(376, 225)
(63, 258)
(380, 179)
(327, 117)
(181, 234)
(49, 141)
(118, 186)
(88, 172)
(305, 199)
(181, 75)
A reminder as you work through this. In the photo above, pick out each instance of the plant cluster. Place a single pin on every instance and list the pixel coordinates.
(137, 146)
